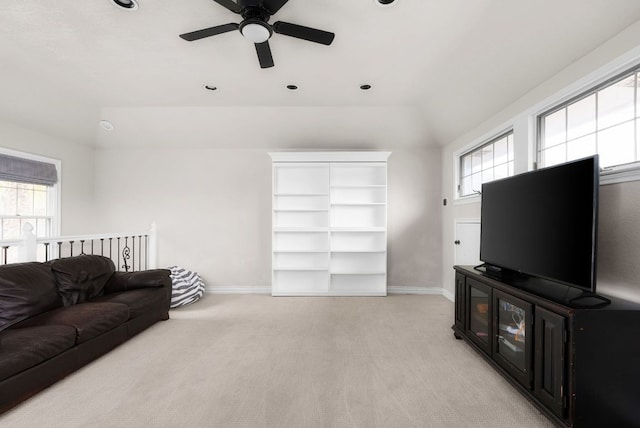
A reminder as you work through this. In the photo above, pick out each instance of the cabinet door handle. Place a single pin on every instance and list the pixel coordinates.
(457, 242)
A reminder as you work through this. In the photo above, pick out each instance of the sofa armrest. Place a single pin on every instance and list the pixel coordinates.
(123, 281)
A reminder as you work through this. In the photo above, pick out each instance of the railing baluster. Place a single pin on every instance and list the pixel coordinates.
(139, 252)
(102, 246)
(59, 249)
(71, 248)
(46, 251)
(126, 254)
(4, 254)
(133, 253)
(118, 264)
(92, 247)
(82, 247)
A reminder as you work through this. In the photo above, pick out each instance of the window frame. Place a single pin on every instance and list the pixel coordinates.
(629, 171)
(484, 142)
(54, 192)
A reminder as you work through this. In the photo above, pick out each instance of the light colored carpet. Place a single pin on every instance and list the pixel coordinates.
(260, 361)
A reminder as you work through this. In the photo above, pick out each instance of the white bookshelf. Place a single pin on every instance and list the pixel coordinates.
(329, 223)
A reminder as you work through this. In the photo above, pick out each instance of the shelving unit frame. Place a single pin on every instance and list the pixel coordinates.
(329, 221)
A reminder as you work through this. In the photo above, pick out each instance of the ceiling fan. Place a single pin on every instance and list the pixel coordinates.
(255, 27)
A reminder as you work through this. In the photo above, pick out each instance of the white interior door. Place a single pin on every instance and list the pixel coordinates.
(467, 242)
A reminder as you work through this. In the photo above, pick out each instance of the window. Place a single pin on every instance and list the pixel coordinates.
(604, 120)
(21, 203)
(491, 161)
(28, 193)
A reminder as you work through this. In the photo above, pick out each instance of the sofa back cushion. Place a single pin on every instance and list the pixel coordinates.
(81, 278)
(26, 290)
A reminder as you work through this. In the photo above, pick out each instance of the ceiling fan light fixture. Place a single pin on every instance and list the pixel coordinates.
(126, 4)
(255, 31)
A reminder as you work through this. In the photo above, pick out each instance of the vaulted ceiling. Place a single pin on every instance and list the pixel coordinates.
(437, 68)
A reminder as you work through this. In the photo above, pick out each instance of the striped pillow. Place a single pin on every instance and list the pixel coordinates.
(187, 286)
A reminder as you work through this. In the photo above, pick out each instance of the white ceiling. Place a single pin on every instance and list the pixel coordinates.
(438, 68)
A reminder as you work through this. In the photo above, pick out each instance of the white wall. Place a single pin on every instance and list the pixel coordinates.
(619, 240)
(415, 243)
(213, 210)
(77, 173)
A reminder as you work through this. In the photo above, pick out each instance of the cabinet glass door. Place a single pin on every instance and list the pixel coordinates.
(512, 327)
(478, 314)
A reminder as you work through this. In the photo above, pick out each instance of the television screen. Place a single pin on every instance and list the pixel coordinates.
(544, 223)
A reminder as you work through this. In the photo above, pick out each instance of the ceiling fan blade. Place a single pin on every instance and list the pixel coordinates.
(229, 4)
(207, 32)
(274, 5)
(264, 54)
(306, 33)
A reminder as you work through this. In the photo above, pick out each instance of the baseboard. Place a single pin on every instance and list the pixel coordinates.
(449, 295)
(390, 290)
(393, 289)
(238, 290)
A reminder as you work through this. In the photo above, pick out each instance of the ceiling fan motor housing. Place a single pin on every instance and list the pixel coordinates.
(256, 12)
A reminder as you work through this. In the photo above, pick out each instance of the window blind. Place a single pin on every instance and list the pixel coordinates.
(27, 171)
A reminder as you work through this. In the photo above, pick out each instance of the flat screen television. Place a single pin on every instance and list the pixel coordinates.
(544, 223)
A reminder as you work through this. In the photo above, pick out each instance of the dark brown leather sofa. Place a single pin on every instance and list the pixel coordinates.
(55, 317)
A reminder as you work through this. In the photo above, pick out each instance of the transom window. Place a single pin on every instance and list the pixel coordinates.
(604, 120)
(491, 161)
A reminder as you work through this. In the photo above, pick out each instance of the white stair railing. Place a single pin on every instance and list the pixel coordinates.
(129, 251)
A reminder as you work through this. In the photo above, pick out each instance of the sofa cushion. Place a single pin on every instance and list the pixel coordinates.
(138, 301)
(89, 319)
(81, 278)
(26, 290)
(123, 281)
(22, 348)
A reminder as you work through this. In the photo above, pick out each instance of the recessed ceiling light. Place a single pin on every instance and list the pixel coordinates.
(126, 4)
(365, 87)
(210, 87)
(384, 2)
(292, 87)
(106, 125)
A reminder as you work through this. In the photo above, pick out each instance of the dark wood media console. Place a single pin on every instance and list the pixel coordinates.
(579, 365)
